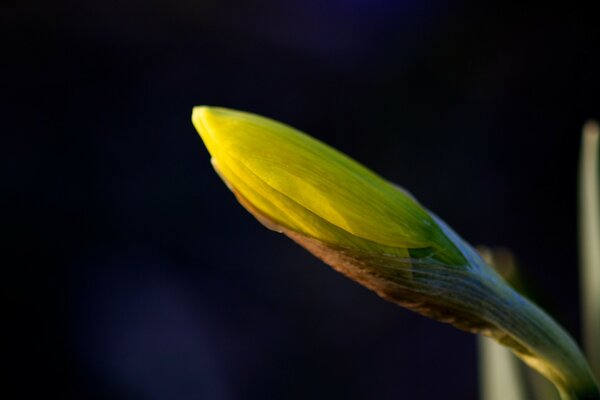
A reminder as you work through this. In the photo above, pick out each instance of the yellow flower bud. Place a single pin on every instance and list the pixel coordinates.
(303, 185)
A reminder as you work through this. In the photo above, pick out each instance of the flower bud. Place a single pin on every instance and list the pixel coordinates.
(300, 184)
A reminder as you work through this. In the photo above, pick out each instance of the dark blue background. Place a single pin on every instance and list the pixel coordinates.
(131, 272)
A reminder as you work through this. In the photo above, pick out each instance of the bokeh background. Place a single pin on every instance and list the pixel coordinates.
(131, 272)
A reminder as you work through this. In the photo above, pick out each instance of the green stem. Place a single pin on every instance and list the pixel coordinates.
(475, 299)
(540, 342)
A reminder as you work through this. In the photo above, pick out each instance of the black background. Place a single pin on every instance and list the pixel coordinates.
(131, 272)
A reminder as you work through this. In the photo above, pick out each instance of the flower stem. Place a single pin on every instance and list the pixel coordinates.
(541, 343)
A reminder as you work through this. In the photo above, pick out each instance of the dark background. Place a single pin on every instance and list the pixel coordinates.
(131, 272)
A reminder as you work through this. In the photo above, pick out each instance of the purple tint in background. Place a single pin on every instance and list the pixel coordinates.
(138, 276)
(140, 330)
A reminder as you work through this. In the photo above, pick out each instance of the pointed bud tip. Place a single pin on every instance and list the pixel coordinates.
(198, 119)
(202, 118)
(210, 121)
(199, 113)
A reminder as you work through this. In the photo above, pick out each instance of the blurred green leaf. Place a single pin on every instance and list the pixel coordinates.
(589, 220)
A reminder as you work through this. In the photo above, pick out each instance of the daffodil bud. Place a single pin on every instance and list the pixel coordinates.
(300, 184)
(380, 236)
